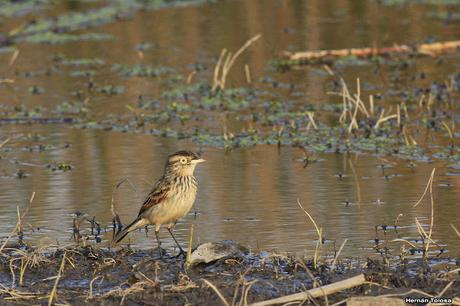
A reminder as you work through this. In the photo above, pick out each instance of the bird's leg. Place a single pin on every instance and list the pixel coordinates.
(181, 252)
(159, 243)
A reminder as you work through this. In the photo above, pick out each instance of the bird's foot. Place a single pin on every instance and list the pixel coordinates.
(181, 253)
(161, 252)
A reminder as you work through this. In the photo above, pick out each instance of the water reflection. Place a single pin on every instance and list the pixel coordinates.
(247, 195)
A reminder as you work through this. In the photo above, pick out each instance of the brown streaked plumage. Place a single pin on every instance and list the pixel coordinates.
(171, 198)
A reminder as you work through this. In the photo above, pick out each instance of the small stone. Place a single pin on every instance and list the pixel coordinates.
(212, 251)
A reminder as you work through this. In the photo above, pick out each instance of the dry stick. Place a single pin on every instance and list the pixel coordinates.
(221, 297)
(422, 49)
(61, 269)
(317, 292)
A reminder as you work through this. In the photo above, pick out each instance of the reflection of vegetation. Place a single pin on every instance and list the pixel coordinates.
(18, 8)
(141, 70)
(431, 2)
(57, 29)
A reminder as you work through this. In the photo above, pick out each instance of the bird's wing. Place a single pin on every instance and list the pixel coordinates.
(156, 196)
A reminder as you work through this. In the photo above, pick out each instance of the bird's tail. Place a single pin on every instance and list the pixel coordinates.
(137, 223)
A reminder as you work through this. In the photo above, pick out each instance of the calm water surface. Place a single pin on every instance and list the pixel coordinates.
(248, 195)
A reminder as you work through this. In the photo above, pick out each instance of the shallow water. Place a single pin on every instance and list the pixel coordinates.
(248, 195)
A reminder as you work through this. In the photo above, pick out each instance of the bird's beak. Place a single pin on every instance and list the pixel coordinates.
(197, 161)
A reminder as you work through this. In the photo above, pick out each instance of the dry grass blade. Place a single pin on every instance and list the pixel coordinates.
(247, 72)
(318, 231)
(356, 178)
(90, 294)
(426, 188)
(223, 66)
(422, 231)
(189, 250)
(54, 290)
(451, 134)
(406, 241)
(455, 230)
(338, 254)
(117, 224)
(4, 142)
(18, 223)
(219, 294)
(14, 57)
(311, 119)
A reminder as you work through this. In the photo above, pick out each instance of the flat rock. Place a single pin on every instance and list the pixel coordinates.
(212, 251)
(375, 300)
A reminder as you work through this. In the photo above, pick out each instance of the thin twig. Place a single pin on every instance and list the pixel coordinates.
(219, 294)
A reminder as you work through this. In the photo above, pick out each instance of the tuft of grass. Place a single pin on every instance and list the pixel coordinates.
(225, 63)
(318, 231)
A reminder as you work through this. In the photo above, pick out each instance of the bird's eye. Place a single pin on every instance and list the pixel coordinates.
(183, 160)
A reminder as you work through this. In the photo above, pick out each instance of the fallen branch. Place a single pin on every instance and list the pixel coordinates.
(421, 49)
(316, 292)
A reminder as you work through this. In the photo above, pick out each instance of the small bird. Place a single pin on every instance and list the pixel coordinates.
(171, 198)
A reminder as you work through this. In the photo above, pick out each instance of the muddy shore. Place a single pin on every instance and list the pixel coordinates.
(98, 276)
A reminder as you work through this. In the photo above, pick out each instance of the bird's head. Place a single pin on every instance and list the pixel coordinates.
(183, 163)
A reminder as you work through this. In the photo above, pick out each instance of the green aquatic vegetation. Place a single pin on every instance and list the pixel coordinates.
(72, 107)
(21, 8)
(82, 73)
(61, 38)
(148, 104)
(444, 15)
(141, 70)
(351, 61)
(430, 2)
(74, 20)
(175, 78)
(229, 99)
(56, 166)
(56, 29)
(36, 90)
(179, 107)
(82, 62)
(144, 46)
(23, 112)
(178, 92)
(111, 89)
